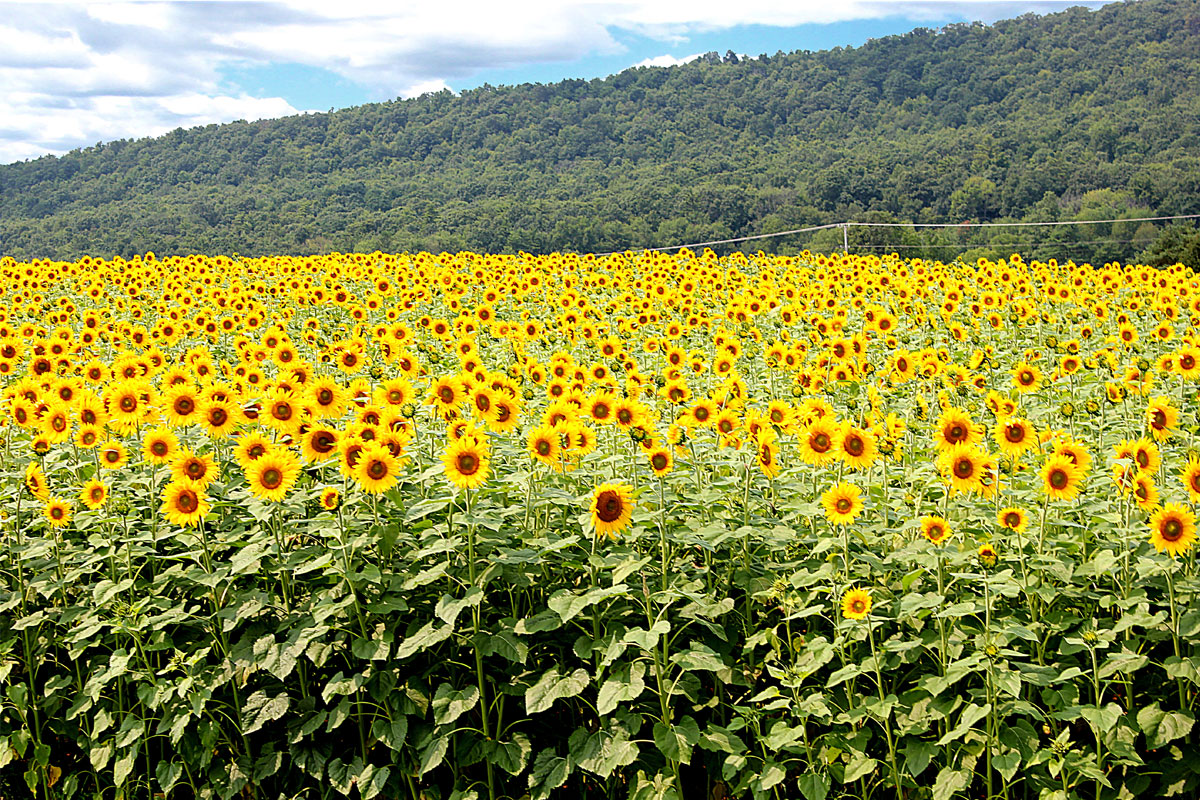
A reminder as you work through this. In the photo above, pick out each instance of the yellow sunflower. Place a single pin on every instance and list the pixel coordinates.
(856, 604)
(273, 474)
(184, 504)
(611, 509)
(935, 529)
(1173, 529)
(93, 494)
(843, 503)
(57, 512)
(1061, 478)
(467, 463)
(377, 469)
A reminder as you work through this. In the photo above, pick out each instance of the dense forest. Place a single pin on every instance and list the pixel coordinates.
(1083, 114)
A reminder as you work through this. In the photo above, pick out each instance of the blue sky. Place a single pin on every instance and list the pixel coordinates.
(78, 74)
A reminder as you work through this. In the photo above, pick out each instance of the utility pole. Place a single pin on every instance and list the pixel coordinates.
(845, 239)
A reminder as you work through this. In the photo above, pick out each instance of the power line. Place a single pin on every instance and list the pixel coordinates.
(1000, 244)
(960, 225)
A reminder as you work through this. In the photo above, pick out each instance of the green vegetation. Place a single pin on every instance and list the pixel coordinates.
(1076, 115)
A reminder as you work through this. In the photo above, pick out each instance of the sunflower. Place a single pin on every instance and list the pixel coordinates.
(1061, 478)
(1145, 492)
(182, 406)
(987, 556)
(326, 398)
(544, 444)
(184, 504)
(857, 447)
(466, 463)
(1161, 418)
(1191, 478)
(318, 443)
(661, 461)
(1026, 377)
(819, 441)
(446, 394)
(935, 529)
(1173, 529)
(611, 509)
(57, 512)
(272, 475)
(35, 481)
(600, 407)
(1015, 436)
(856, 604)
(1146, 456)
(198, 470)
(250, 446)
(768, 452)
(1015, 519)
(629, 413)
(93, 494)
(1077, 452)
(963, 468)
(88, 436)
(700, 415)
(112, 455)
(377, 469)
(843, 503)
(56, 424)
(329, 498)
(956, 428)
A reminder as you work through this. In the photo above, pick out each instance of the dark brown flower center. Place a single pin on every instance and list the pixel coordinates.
(609, 506)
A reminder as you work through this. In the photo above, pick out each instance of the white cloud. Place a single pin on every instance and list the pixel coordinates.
(77, 74)
(666, 60)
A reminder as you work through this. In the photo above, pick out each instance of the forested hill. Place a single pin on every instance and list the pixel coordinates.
(1079, 114)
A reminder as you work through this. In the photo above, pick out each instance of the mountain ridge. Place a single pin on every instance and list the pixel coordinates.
(1081, 112)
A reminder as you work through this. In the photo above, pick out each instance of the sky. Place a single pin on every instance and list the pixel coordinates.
(73, 75)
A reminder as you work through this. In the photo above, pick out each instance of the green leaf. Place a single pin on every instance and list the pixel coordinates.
(676, 741)
(648, 639)
(510, 756)
(567, 604)
(625, 684)
(1103, 719)
(1006, 764)
(448, 607)
(917, 754)
(433, 754)
(771, 776)
(859, 766)
(1162, 727)
(372, 780)
(814, 786)
(549, 772)
(260, 709)
(423, 639)
(553, 685)
(949, 782)
(123, 767)
(449, 704)
(970, 715)
(699, 657)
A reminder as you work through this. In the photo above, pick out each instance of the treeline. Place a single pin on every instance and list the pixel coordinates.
(1074, 115)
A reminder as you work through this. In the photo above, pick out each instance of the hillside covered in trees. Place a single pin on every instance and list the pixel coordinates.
(1074, 115)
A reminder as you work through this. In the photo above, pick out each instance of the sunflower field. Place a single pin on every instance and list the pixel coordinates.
(646, 525)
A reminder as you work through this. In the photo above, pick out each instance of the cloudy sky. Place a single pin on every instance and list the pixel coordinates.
(76, 74)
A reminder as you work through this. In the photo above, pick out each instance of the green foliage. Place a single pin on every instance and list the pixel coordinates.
(1014, 121)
